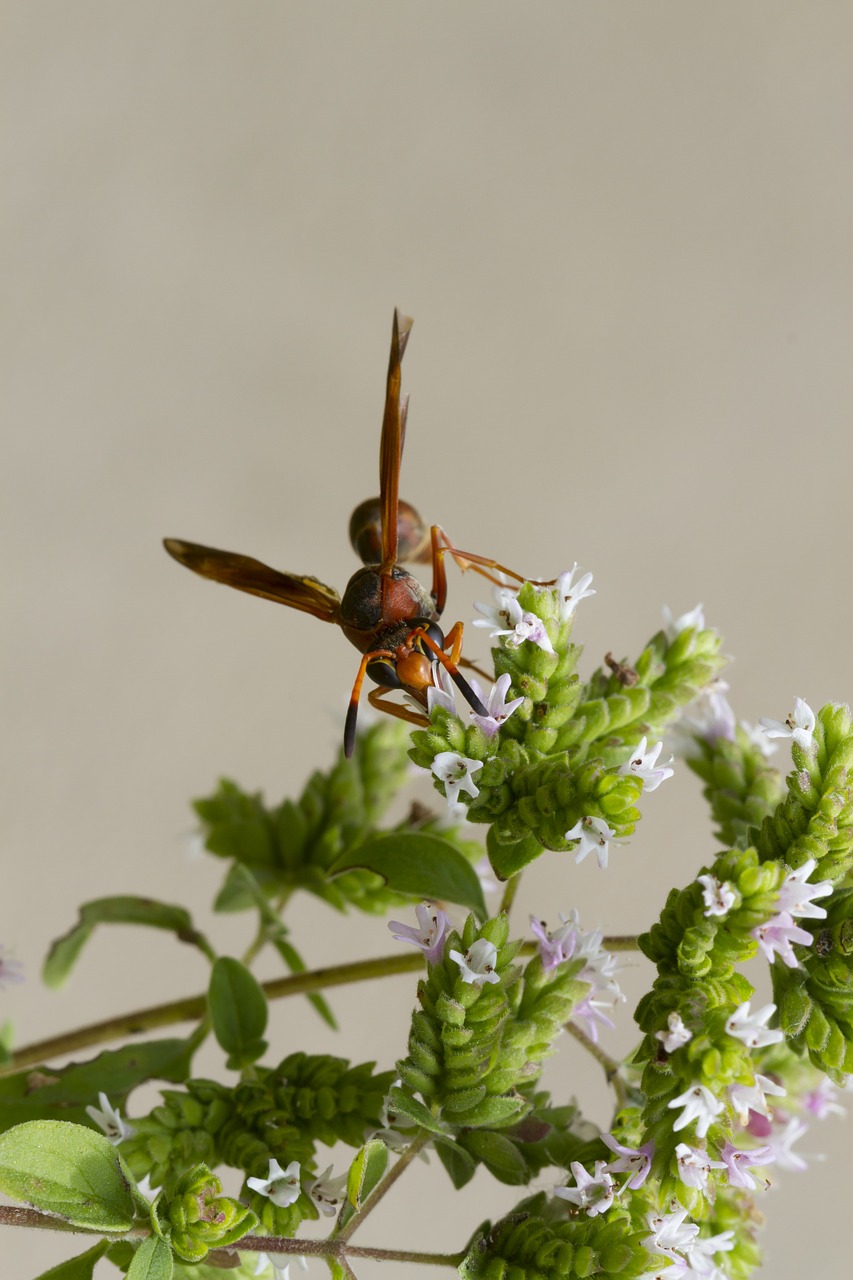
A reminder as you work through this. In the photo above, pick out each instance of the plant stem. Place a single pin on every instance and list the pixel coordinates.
(192, 1008)
(384, 1185)
(611, 1067)
(510, 890)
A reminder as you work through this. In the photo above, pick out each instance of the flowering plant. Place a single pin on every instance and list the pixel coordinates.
(710, 1104)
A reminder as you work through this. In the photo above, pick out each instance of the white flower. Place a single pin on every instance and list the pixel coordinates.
(11, 970)
(701, 1254)
(595, 837)
(700, 1105)
(497, 707)
(820, 1101)
(758, 738)
(670, 1234)
(555, 945)
(280, 1269)
(780, 1141)
(440, 692)
(570, 594)
(455, 772)
(433, 927)
(719, 897)
(509, 619)
(642, 765)
(281, 1186)
(677, 1035)
(109, 1119)
(751, 1097)
(795, 894)
(674, 626)
(751, 1028)
(776, 936)
(634, 1160)
(478, 963)
(694, 1167)
(327, 1192)
(502, 615)
(593, 1192)
(799, 725)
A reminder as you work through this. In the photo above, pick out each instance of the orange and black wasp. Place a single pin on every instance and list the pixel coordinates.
(385, 611)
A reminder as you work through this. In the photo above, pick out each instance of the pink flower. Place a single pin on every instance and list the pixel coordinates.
(433, 927)
(634, 1160)
(776, 936)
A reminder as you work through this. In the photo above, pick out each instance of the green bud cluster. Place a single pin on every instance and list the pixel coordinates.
(196, 1217)
(557, 758)
(292, 845)
(539, 1242)
(741, 788)
(475, 1049)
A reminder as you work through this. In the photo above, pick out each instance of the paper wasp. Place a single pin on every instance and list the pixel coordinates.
(385, 611)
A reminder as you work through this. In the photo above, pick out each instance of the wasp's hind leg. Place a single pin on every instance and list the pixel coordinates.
(487, 568)
(377, 698)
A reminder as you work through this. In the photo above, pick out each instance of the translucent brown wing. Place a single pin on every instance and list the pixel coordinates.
(247, 574)
(391, 448)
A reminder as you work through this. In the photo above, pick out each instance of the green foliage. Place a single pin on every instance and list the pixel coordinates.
(419, 863)
(238, 1011)
(119, 910)
(294, 844)
(80, 1267)
(68, 1171)
(195, 1217)
(741, 788)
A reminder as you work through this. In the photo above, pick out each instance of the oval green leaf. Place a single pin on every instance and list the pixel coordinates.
(153, 1260)
(238, 1010)
(419, 863)
(79, 1268)
(67, 1170)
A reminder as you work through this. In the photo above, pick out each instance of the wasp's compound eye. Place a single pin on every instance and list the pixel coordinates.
(383, 672)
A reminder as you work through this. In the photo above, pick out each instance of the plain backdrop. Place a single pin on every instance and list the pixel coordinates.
(624, 234)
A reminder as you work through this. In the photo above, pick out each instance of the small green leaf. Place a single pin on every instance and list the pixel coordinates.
(424, 865)
(153, 1260)
(79, 1268)
(508, 859)
(365, 1171)
(405, 1105)
(124, 909)
(500, 1156)
(65, 1093)
(238, 1010)
(67, 1170)
(459, 1164)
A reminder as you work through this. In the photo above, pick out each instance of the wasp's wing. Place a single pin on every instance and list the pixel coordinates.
(247, 574)
(391, 448)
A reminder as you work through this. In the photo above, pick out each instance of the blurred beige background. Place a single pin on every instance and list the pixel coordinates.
(624, 234)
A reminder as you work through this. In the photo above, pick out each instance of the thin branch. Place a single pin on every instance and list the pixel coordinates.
(612, 1068)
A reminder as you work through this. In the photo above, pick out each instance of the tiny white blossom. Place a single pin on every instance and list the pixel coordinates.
(634, 1160)
(780, 1141)
(571, 593)
(751, 1028)
(497, 708)
(674, 626)
(751, 1097)
(796, 894)
(694, 1166)
(702, 1252)
(799, 725)
(671, 1235)
(820, 1101)
(594, 1192)
(327, 1192)
(455, 771)
(739, 1162)
(478, 963)
(433, 927)
(500, 616)
(109, 1119)
(677, 1035)
(281, 1186)
(440, 692)
(758, 738)
(595, 837)
(775, 938)
(719, 896)
(642, 765)
(555, 945)
(11, 970)
(700, 1105)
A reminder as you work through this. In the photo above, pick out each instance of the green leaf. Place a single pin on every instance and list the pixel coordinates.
(500, 1156)
(459, 1164)
(424, 865)
(508, 859)
(153, 1260)
(118, 910)
(67, 1170)
(65, 1093)
(79, 1268)
(238, 1010)
(365, 1171)
(405, 1105)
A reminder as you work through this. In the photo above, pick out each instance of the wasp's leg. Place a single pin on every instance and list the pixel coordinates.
(352, 709)
(442, 546)
(452, 668)
(377, 698)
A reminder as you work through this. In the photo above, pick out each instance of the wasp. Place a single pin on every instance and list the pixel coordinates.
(385, 611)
